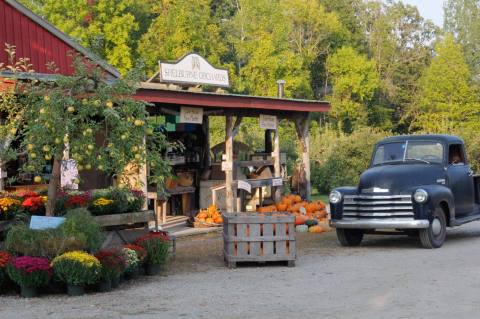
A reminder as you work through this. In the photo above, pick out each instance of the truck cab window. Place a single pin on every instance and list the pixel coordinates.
(455, 155)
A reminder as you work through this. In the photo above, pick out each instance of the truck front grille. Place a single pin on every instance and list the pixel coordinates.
(377, 206)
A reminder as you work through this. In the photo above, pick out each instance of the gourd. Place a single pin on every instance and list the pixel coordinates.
(301, 228)
(311, 222)
(300, 219)
(315, 229)
(282, 207)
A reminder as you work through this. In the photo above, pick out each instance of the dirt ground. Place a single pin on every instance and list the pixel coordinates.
(387, 277)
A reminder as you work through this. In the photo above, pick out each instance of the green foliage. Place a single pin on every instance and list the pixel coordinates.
(180, 27)
(21, 240)
(131, 259)
(339, 159)
(446, 100)
(80, 224)
(355, 82)
(461, 19)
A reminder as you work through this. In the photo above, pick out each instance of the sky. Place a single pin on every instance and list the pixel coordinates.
(429, 9)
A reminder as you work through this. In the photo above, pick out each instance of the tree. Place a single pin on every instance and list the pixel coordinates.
(108, 27)
(74, 113)
(355, 81)
(399, 40)
(446, 98)
(461, 20)
(181, 26)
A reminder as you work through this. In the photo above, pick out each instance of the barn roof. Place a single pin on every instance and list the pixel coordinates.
(40, 41)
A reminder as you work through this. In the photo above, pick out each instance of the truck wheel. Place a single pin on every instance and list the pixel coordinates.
(434, 235)
(349, 237)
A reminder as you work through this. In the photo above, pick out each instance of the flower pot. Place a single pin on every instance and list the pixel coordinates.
(104, 286)
(74, 290)
(141, 270)
(28, 292)
(153, 269)
(115, 282)
(133, 274)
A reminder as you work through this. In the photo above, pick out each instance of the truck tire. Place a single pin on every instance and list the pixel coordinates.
(349, 237)
(434, 235)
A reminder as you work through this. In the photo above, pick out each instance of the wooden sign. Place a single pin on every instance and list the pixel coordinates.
(277, 182)
(191, 115)
(246, 186)
(69, 174)
(44, 222)
(193, 69)
(268, 122)
(227, 166)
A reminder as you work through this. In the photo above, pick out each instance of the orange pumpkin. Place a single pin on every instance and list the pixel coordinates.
(315, 229)
(202, 215)
(210, 220)
(282, 207)
(300, 219)
(310, 208)
(297, 198)
(218, 220)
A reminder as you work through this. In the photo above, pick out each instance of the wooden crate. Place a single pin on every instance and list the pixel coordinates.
(253, 237)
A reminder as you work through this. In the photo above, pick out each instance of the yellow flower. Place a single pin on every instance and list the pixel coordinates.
(79, 256)
(7, 202)
(44, 199)
(102, 202)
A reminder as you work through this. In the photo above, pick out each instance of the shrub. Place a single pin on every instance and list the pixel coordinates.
(77, 268)
(340, 159)
(21, 240)
(80, 224)
(136, 199)
(156, 245)
(31, 272)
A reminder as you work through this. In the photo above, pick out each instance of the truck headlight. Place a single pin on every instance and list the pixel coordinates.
(420, 196)
(335, 197)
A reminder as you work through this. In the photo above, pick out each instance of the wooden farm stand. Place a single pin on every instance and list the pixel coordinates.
(167, 100)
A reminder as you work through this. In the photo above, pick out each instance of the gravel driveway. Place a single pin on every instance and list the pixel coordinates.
(387, 277)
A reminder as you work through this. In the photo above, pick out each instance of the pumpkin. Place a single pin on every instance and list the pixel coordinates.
(315, 229)
(282, 207)
(201, 220)
(209, 220)
(299, 219)
(202, 214)
(310, 208)
(311, 222)
(218, 220)
(297, 198)
(301, 228)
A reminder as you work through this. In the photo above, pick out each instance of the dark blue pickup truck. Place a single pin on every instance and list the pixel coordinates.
(416, 184)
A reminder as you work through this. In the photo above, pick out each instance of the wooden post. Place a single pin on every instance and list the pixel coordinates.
(228, 162)
(276, 164)
(302, 126)
(206, 161)
(143, 172)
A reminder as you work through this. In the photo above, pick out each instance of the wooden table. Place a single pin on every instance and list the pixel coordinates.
(160, 204)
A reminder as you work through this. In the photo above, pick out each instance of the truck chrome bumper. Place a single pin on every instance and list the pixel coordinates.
(380, 223)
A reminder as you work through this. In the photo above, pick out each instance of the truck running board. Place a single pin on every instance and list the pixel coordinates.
(464, 220)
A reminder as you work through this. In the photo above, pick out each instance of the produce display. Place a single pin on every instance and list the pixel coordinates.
(211, 216)
(309, 216)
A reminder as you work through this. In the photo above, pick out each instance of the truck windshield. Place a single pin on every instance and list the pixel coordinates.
(409, 151)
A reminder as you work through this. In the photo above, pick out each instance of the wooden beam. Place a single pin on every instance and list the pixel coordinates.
(236, 126)
(229, 195)
(302, 126)
(276, 163)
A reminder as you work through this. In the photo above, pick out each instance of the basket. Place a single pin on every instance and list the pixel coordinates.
(196, 223)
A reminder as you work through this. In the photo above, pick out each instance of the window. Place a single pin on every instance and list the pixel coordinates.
(409, 151)
(455, 155)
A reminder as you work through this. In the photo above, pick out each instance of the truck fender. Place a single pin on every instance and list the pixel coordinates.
(439, 195)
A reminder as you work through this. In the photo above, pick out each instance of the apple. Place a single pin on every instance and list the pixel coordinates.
(13, 131)
(109, 104)
(48, 157)
(90, 147)
(30, 147)
(42, 111)
(57, 140)
(33, 155)
(88, 166)
(100, 167)
(123, 137)
(46, 148)
(138, 122)
(46, 98)
(37, 179)
(71, 109)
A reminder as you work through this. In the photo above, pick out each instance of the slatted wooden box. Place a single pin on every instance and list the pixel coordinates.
(254, 237)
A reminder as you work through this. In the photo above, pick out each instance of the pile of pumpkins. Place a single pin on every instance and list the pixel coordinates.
(211, 215)
(309, 216)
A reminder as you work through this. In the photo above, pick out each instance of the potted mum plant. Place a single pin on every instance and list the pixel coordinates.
(141, 255)
(76, 269)
(132, 263)
(29, 273)
(156, 245)
(4, 260)
(113, 265)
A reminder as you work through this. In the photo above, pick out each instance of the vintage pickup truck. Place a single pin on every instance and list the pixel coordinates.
(416, 184)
